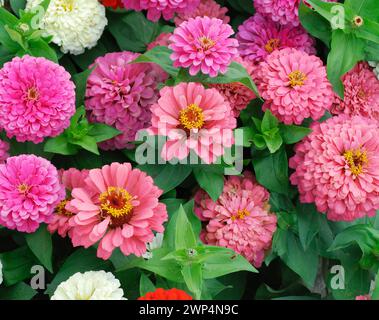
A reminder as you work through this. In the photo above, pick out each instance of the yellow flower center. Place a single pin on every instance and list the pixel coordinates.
(117, 203)
(296, 78)
(192, 117)
(356, 159)
(206, 43)
(67, 5)
(272, 45)
(32, 94)
(241, 214)
(61, 208)
(23, 188)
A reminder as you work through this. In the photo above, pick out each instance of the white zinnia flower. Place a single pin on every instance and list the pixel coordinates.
(75, 25)
(375, 65)
(154, 244)
(1, 273)
(91, 285)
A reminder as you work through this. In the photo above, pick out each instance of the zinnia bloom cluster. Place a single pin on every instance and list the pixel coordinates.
(120, 94)
(4, 148)
(119, 207)
(90, 285)
(206, 8)
(29, 192)
(37, 99)
(72, 178)
(203, 45)
(170, 294)
(259, 36)
(165, 8)
(294, 86)
(239, 219)
(337, 167)
(193, 118)
(361, 96)
(75, 25)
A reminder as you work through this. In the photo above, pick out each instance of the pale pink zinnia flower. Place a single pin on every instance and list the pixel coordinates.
(4, 148)
(120, 94)
(165, 8)
(259, 36)
(294, 86)
(162, 40)
(37, 99)
(193, 118)
(237, 94)
(71, 178)
(337, 167)
(29, 192)
(239, 219)
(203, 45)
(206, 8)
(361, 93)
(119, 207)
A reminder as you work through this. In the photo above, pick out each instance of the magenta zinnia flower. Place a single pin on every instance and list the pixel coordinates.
(203, 44)
(206, 8)
(4, 148)
(29, 192)
(120, 94)
(361, 93)
(119, 207)
(162, 40)
(294, 86)
(259, 36)
(37, 99)
(337, 167)
(239, 219)
(157, 8)
(72, 178)
(193, 118)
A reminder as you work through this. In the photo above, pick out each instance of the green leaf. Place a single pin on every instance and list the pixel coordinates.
(60, 145)
(184, 234)
(39, 48)
(346, 51)
(323, 8)
(368, 31)
(40, 244)
(193, 277)
(20, 291)
(273, 142)
(145, 285)
(16, 5)
(365, 8)
(88, 143)
(271, 170)
(211, 179)
(292, 134)
(269, 121)
(375, 294)
(80, 80)
(308, 222)
(101, 132)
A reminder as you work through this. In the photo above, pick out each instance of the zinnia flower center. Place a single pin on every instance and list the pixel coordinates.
(23, 188)
(32, 94)
(68, 5)
(192, 117)
(356, 159)
(206, 43)
(61, 208)
(116, 202)
(241, 214)
(296, 78)
(272, 45)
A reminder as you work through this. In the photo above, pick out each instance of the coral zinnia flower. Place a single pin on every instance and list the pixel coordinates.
(72, 178)
(120, 94)
(294, 85)
(193, 118)
(163, 294)
(206, 8)
(119, 206)
(29, 192)
(203, 44)
(337, 167)
(37, 99)
(259, 36)
(239, 219)
(361, 93)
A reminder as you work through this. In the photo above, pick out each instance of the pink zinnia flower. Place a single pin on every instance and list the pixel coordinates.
(206, 8)
(203, 44)
(259, 36)
(238, 95)
(72, 178)
(120, 94)
(193, 118)
(294, 85)
(37, 99)
(157, 8)
(239, 219)
(4, 148)
(162, 40)
(337, 167)
(365, 297)
(361, 93)
(29, 192)
(119, 207)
